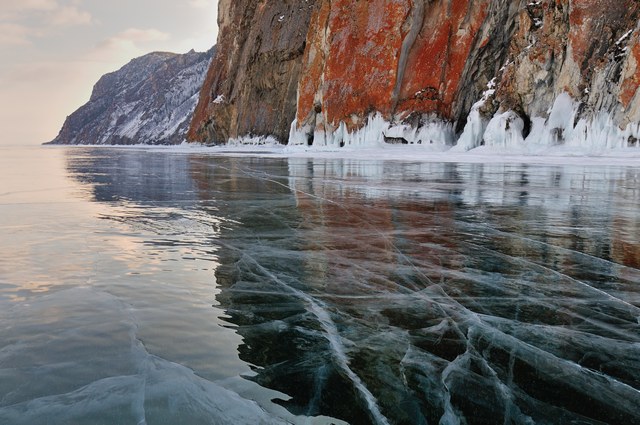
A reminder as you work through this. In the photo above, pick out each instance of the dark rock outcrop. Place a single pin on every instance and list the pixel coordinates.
(148, 101)
(251, 85)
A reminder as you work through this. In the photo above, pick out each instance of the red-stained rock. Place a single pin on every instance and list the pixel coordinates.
(441, 56)
(338, 62)
(357, 52)
(361, 56)
(631, 76)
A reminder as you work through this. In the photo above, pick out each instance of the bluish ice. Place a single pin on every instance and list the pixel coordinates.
(165, 287)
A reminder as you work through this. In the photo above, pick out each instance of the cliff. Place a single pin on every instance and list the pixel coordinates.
(251, 86)
(150, 100)
(438, 73)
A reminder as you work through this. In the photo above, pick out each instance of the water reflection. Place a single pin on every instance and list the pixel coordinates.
(383, 292)
(139, 176)
(365, 291)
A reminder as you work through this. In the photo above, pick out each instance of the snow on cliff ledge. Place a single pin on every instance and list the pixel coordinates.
(150, 100)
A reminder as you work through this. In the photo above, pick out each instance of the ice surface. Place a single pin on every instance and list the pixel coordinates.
(137, 388)
(253, 289)
(446, 314)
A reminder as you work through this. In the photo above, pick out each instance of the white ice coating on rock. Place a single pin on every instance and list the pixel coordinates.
(435, 135)
(503, 133)
(251, 140)
(473, 130)
(624, 37)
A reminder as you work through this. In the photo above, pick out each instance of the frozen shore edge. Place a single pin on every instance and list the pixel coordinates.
(620, 157)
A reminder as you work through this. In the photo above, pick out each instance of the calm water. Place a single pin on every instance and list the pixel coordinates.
(143, 287)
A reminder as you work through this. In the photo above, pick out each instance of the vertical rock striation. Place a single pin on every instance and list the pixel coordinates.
(432, 72)
(415, 63)
(571, 72)
(251, 86)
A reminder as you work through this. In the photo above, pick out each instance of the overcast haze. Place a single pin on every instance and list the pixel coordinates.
(53, 51)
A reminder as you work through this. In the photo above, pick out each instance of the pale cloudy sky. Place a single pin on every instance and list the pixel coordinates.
(53, 51)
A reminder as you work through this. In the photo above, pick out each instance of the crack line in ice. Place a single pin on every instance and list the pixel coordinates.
(564, 276)
(553, 365)
(267, 177)
(479, 329)
(270, 178)
(331, 334)
(631, 309)
(559, 248)
(542, 360)
(560, 366)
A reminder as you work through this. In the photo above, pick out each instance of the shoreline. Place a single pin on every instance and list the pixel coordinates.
(482, 155)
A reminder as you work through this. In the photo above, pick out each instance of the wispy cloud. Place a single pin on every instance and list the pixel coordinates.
(70, 16)
(14, 34)
(10, 10)
(127, 44)
(23, 21)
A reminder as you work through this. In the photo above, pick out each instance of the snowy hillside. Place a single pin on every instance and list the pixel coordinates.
(150, 100)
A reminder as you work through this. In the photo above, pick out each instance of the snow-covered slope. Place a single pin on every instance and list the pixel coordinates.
(150, 100)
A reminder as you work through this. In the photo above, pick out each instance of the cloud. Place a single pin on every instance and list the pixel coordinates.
(137, 35)
(11, 10)
(126, 44)
(28, 5)
(14, 35)
(21, 22)
(70, 16)
(200, 4)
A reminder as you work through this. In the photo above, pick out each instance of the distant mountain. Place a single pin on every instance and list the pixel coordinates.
(150, 100)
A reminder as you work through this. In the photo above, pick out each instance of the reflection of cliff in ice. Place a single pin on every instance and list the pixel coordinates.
(263, 290)
(555, 198)
(132, 175)
(493, 293)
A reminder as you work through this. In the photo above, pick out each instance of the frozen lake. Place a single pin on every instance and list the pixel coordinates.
(164, 287)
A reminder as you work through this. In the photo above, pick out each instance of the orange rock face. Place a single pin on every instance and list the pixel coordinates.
(386, 56)
(332, 62)
(439, 56)
(351, 55)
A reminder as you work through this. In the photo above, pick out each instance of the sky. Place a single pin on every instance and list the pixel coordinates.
(54, 51)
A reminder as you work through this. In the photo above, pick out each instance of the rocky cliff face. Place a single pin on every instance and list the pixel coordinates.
(251, 85)
(438, 73)
(148, 101)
